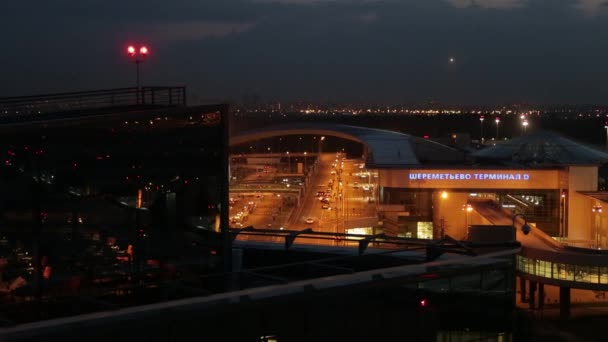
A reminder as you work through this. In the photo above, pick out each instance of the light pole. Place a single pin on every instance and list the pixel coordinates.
(320, 142)
(467, 208)
(597, 209)
(481, 118)
(305, 153)
(606, 128)
(288, 163)
(138, 56)
(497, 125)
(525, 228)
(524, 124)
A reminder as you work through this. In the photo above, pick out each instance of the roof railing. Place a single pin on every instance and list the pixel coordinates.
(91, 100)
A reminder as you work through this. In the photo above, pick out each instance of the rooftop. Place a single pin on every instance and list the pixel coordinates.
(387, 149)
(542, 148)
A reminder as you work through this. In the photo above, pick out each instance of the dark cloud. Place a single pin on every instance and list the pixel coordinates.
(397, 51)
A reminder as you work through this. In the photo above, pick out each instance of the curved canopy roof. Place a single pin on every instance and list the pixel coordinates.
(386, 149)
(543, 148)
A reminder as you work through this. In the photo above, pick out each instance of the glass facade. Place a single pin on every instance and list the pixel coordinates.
(560, 271)
(109, 205)
(538, 206)
(541, 207)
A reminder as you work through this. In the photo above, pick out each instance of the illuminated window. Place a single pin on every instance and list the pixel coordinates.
(424, 230)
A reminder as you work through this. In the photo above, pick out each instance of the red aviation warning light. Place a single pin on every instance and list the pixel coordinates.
(143, 50)
(131, 50)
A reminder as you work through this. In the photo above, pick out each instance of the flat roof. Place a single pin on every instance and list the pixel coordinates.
(542, 148)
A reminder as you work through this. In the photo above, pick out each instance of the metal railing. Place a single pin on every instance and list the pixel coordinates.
(92, 100)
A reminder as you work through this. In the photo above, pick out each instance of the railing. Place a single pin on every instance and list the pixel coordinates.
(91, 100)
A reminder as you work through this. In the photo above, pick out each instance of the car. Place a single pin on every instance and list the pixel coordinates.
(325, 206)
(310, 220)
(366, 187)
(333, 172)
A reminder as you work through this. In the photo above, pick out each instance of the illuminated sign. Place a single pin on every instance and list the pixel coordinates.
(464, 176)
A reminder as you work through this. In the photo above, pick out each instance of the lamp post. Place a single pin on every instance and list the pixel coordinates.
(467, 208)
(525, 228)
(606, 128)
(288, 163)
(524, 125)
(138, 56)
(305, 153)
(497, 125)
(597, 209)
(481, 118)
(320, 142)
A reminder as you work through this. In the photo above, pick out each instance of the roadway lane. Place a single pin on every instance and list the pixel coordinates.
(351, 190)
(324, 220)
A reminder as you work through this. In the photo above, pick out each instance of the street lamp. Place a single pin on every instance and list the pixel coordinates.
(320, 141)
(288, 163)
(525, 228)
(497, 124)
(481, 118)
(524, 124)
(305, 153)
(597, 209)
(606, 127)
(138, 56)
(467, 208)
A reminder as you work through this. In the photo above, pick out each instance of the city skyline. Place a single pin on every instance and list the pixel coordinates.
(414, 51)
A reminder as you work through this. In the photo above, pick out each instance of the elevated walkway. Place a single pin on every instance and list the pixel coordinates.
(546, 260)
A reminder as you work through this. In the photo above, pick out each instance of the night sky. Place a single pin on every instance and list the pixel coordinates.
(503, 51)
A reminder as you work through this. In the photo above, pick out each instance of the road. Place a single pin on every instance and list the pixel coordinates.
(351, 190)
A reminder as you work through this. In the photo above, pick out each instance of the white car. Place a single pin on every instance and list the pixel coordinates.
(310, 220)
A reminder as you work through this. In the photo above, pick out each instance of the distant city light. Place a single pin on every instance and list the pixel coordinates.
(452, 60)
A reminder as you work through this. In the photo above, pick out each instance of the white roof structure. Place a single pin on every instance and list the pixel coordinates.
(386, 149)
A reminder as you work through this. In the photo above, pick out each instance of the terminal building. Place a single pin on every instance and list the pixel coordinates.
(427, 190)
(548, 181)
(547, 178)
